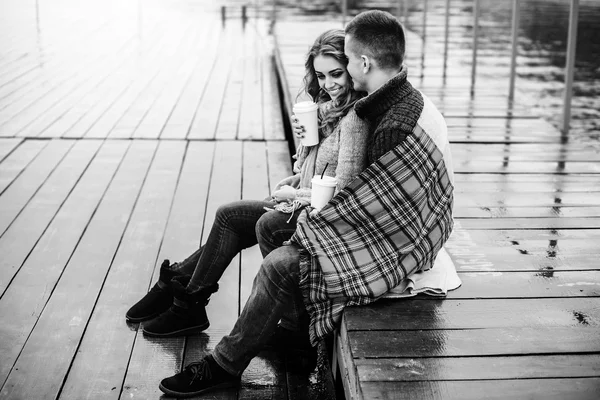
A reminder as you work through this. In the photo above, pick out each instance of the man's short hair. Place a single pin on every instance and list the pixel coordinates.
(380, 36)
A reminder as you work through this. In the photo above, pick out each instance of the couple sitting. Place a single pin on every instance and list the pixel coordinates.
(387, 146)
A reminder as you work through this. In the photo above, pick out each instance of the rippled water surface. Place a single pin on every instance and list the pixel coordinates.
(541, 56)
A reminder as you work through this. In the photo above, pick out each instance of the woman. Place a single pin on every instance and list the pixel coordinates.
(179, 297)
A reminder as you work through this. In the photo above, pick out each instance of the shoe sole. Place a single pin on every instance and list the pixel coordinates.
(142, 319)
(181, 332)
(225, 385)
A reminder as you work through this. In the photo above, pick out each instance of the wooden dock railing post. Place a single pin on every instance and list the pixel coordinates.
(446, 34)
(476, 11)
(514, 49)
(570, 65)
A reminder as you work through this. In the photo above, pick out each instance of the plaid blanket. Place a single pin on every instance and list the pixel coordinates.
(390, 222)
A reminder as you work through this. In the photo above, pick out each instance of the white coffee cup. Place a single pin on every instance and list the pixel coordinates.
(306, 112)
(322, 191)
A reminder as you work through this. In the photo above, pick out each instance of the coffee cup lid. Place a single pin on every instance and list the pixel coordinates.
(305, 106)
(326, 181)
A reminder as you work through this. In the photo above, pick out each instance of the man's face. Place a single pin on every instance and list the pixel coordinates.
(355, 64)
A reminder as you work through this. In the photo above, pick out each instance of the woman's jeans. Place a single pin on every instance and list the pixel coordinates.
(275, 293)
(237, 226)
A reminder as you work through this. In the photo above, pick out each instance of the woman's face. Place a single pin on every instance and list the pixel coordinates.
(332, 75)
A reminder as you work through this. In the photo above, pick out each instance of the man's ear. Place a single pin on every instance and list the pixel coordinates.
(366, 63)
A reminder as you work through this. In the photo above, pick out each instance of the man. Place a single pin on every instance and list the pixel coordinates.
(387, 224)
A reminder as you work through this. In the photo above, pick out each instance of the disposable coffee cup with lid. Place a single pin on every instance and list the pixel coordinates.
(322, 190)
(306, 112)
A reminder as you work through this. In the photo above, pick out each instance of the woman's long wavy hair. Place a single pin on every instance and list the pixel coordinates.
(329, 43)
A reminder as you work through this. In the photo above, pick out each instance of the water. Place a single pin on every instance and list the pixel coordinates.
(541, 56)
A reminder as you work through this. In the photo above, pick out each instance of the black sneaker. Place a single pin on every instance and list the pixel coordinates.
(285, 339)
(198, 378)
(296, 346)
(186, 316)
(157, 300)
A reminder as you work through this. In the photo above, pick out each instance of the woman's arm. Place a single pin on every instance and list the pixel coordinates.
(353, 149)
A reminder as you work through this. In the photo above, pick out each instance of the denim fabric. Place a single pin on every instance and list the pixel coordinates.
(237, 226)
(273, 228)
(275, 292)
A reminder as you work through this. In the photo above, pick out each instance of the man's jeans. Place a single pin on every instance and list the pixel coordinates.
(275, 293)
(237, 226)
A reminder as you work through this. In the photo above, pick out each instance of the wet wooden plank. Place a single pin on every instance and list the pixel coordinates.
(153, 359)
(226, 184)
(478, 368)
(63, 112)
(265, 378)
(525, 152)
(519, 250)
(100, 363)
(109, 119)
(533, 223)
(207, 114)
(546, 389)
(135, 236)
(526, 212)
(72, 303)
(430, 313)
(484, 260)
(519, 167)
(7, 146)
(251, 112)
(174, 93)
(18, 240)
(509, 184)
(30, 104)
(223, 308)
(32, 287)
(475, 342)
(279, 159)
(272, 116)
(134, 115)
(45, 109)
(17, 159)
(19, 193)
(506, 237)
(73, 299)
(545, 179)
(526, 200)
(255, 185)
(545, 283)
(228, 123)
(204, 90)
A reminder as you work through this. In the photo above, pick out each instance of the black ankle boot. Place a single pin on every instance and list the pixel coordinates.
(186, 315)
(157, 300)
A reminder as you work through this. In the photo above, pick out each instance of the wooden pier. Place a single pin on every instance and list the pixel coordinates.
(525, 324)
(124, 125)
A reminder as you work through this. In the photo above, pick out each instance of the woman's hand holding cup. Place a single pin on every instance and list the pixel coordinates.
(297, 127)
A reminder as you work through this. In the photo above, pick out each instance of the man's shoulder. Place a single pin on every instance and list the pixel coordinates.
(403, 114)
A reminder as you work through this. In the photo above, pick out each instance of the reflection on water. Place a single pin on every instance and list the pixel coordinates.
(542, 46)
(542, 56)
(43, 30)
(542, 52)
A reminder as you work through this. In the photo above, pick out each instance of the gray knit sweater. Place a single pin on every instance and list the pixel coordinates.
(343, 149)
(393, 111)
